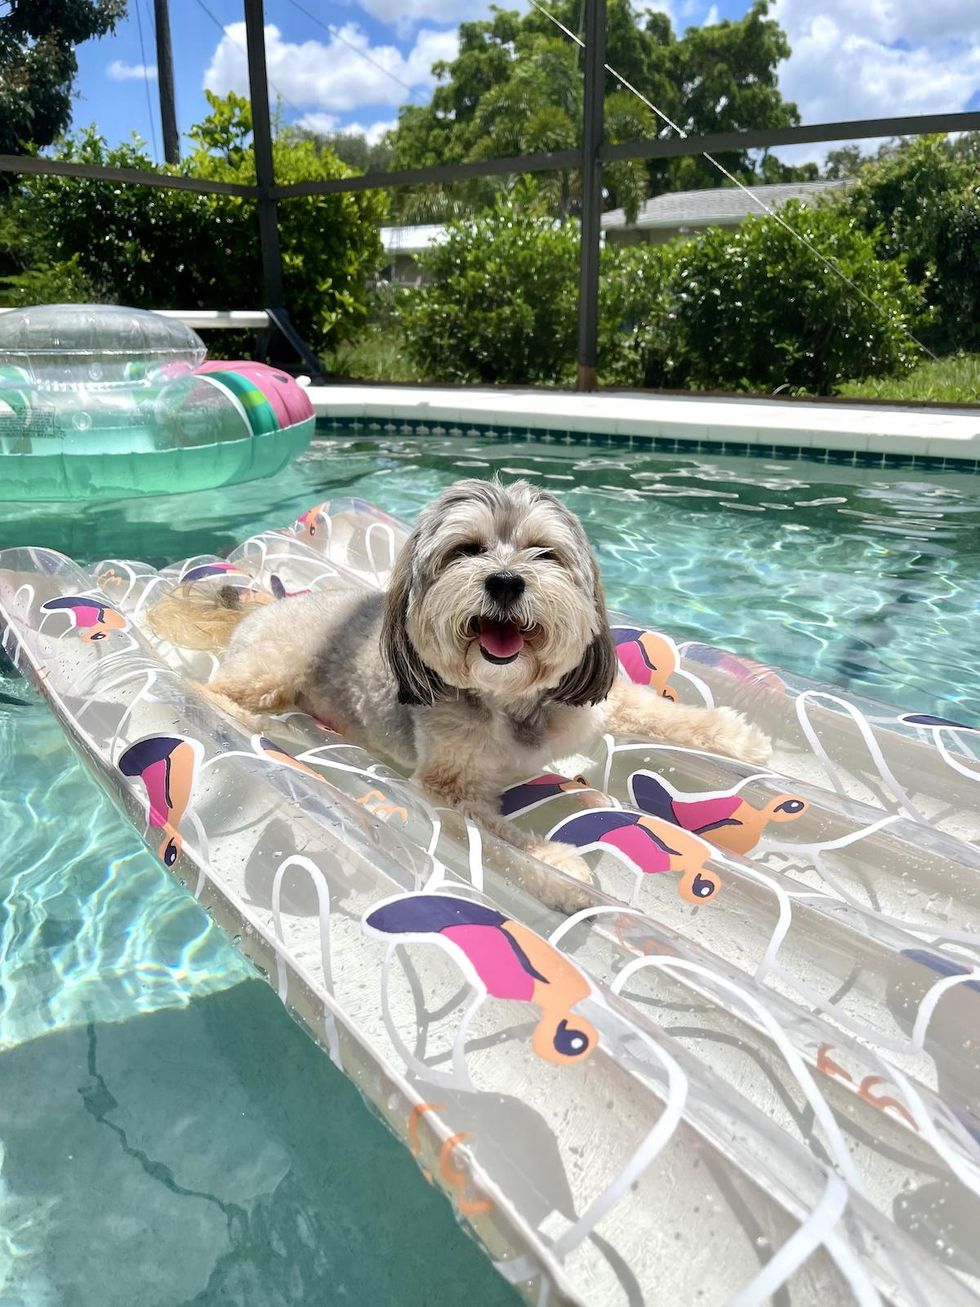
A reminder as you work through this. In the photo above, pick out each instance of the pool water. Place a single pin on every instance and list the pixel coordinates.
(167, 1135)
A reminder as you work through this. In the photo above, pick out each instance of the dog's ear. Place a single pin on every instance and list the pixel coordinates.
(592, 679)
(417, 684)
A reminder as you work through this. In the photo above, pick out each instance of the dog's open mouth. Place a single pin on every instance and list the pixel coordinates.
(500, 642)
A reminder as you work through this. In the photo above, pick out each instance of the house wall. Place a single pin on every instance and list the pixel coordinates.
(404, 270)
(623, 236)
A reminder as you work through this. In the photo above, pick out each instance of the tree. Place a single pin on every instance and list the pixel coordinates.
(749, 309)
(38, 65)
(178, 249)
(920, 201)
(756, 308)
(352, 148)
(501, 306)
(538, 109)
(516, 86)
(843, 163)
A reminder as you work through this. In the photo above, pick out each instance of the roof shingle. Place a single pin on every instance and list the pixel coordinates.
(722, 206)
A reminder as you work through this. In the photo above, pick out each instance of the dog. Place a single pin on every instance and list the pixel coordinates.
(488, 656)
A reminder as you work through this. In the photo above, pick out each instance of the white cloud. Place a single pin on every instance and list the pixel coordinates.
(332, 76)
(117, 71)
(667, 7)
(325, 123)
(405, 14)
(877, 59)
(711, 17)
(890, 21)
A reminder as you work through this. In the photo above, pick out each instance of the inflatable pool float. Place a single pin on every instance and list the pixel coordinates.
(745, 1071)
(98, 401)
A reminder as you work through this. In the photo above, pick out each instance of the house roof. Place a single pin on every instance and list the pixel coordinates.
(723, 206)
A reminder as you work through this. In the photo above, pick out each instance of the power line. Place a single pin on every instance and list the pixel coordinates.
(146, 82)
(831, 264)
(338, 36)
(221, 28)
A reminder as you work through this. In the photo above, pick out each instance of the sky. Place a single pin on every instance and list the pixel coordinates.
(349, 64)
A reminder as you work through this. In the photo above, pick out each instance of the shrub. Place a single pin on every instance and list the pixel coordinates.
(331, 244)
(635, 340)
(156, 248)
(752, 308)
(756, 308)
(922, 200)
(51, 283)
(502, 301)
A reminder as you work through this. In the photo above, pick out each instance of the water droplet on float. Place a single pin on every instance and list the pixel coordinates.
(81, 420)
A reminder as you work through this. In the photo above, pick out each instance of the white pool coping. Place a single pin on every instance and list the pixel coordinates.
(862, 429)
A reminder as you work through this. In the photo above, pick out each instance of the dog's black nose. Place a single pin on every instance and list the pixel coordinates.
(504, 587)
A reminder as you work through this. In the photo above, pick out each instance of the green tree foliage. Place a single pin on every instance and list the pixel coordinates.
(920, 200)
(330, 243)
(748, 309)
(755, 308)
(157, 248)
(516, 87)
(844, 163)
(55, 283)
(352, 148)
(635, 314)
(501, 306)
(38, 65)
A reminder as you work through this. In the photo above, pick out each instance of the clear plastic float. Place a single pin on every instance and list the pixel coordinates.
(746, 1071)
(99, 401)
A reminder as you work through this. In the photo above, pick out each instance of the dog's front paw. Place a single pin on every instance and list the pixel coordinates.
(726, 731)
(563, 857)
(567, 896)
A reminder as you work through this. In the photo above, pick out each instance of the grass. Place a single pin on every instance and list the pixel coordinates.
(953, 380)
(378, 354)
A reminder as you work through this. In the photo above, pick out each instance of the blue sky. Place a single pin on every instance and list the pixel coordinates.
(850, 60)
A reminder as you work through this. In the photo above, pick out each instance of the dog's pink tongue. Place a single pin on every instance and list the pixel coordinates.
(500, 639)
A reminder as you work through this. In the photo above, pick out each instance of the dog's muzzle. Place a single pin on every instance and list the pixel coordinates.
(500, 637)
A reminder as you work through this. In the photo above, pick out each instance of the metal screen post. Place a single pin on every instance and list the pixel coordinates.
(165, 73)
(258, 87)
(592, 131)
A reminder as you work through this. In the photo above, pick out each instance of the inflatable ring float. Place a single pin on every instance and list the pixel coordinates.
(98, 401)
(745, 1071)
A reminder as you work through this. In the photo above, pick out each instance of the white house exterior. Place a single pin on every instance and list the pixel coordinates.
(402, 246)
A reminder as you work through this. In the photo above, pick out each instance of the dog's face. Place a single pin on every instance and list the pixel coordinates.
(497, 591)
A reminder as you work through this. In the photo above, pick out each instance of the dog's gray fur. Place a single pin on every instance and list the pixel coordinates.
(403, 673)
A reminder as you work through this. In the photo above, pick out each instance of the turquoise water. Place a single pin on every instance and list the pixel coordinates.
(168, 1137)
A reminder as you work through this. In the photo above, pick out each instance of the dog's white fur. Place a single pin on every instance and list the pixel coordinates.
(403, 673)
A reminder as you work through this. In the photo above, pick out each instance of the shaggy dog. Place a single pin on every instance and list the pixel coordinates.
(489, 656)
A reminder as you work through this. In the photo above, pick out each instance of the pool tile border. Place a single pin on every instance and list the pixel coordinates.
(837, 451)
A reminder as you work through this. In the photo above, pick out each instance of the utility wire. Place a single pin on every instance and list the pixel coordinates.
(146, 82)
(337, 35)
(831, 264)
(221, 28)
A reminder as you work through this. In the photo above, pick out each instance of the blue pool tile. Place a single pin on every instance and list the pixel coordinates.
(341, 426)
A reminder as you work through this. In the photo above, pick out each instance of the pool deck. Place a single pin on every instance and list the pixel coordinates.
(742, 425)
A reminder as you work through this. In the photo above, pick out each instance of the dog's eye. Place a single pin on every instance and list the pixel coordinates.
(547, 556)
(469, 551)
